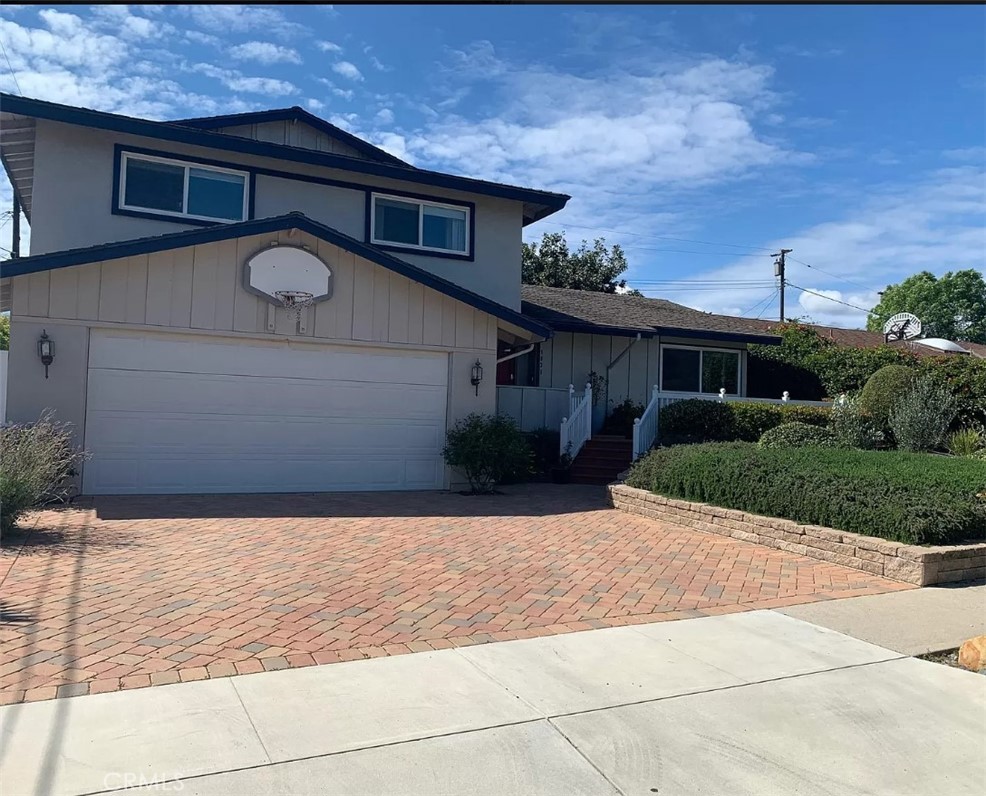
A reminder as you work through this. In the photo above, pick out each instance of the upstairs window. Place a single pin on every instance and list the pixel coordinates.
(183, 190)
(700, 370)
(414, 224)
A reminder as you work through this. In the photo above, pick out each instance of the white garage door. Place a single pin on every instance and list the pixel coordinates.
(177, 414)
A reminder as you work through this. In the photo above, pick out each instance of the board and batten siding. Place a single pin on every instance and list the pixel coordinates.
(200, 288)
(292, 134)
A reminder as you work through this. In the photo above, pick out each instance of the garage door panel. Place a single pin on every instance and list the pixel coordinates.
(159, 431)
(122, 351)
(156, 393)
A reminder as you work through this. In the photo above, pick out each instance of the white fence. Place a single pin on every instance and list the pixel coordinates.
(534, 407)
(3, 386)
(576, 429)
(646, 427)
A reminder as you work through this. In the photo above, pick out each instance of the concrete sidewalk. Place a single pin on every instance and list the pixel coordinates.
(756, 702)
(912, 622)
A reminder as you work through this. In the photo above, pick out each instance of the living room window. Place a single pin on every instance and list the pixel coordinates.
(699, 370)
(167, 187)
(418, 224)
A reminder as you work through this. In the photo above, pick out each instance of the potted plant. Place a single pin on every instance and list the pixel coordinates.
(561, 473)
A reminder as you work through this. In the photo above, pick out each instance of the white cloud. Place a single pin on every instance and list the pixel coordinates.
(328, 47)
(347, 70)
(235, 81)
(199, 37)
(385, 116)
(376, 64)
(265, 53)
(314, 105)
(937, 223)
(241, 19)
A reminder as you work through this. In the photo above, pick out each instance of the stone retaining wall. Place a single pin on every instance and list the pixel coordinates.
(922, 566)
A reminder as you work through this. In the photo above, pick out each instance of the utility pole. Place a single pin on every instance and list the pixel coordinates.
(779, 272)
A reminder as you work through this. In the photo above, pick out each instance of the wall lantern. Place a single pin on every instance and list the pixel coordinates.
(477, 375)
(46, 350)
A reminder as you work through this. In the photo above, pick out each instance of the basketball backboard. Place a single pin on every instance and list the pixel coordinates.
(280, 269)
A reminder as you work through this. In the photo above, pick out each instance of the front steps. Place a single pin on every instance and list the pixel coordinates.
(602, 459)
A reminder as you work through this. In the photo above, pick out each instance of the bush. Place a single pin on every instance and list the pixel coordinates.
(883, 389)
(696, 420)
(543, 443)
(852, 427)
(620, 420)
(979, 455)
(907, 497)
(798, 435)
(37, 461)
(966, 379)
(487, 449)
(920, 419)
(965, 442)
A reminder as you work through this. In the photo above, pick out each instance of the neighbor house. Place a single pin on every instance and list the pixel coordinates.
(161, 256)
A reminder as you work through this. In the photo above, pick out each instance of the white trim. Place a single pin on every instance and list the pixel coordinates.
(700, 349)
(421, 203)
(187, 165)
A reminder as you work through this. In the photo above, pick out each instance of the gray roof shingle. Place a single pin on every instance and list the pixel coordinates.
(615, 313)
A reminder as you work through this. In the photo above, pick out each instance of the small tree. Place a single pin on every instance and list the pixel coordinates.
(487, 449)
(552, 264)
(921, 417)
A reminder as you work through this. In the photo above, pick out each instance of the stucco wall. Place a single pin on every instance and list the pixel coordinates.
(73, 190)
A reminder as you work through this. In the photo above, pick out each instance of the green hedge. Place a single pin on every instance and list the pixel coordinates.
(907, 497)
(798, 435)
(696, 420)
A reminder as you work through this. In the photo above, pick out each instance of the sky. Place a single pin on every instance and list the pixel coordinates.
(701, 139)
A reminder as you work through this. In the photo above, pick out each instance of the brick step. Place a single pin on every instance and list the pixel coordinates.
(592, 479)
(605, 455)
(596, 471)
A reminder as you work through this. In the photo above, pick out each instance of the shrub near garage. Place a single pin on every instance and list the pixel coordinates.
(911, 498)
(487, 449)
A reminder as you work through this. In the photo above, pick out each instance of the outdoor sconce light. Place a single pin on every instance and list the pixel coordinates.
(46, 350)
(477, 375)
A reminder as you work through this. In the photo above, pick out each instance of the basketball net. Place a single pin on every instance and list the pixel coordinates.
(296, 301)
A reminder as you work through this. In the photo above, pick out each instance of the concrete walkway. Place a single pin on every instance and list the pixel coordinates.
(914, 622)
(756, 702)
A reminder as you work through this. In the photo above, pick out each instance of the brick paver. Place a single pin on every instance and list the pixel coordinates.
(129, 592)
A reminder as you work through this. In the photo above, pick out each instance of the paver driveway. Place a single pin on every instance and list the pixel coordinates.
(130, 592)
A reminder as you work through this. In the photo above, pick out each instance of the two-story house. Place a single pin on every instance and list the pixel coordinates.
(164, 260)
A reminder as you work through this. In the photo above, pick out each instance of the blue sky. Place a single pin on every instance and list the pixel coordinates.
(855, 135)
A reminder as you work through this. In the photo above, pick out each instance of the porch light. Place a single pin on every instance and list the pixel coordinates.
(46, 350)
(477, 375)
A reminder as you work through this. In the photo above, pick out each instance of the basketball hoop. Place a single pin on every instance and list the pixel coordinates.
(296, 300)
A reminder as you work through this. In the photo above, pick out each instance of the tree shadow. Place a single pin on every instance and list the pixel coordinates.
(43, 540)
(9, 615)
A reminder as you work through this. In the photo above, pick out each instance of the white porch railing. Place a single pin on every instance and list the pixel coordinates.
(645, 428)
(576, 429)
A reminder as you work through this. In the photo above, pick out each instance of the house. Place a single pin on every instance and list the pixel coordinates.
(264, 302)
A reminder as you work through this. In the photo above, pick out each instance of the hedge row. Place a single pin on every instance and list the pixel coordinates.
(911, 498)
(696, 420)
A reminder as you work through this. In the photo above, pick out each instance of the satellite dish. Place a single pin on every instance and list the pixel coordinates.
(902, 326)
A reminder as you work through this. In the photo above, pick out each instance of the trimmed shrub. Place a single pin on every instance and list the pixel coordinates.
(36, 462)
(620, 420)
(695, 420)
(966, 379)
(543, 443)
(852, 427)
(487, 449)
(907, 497)
(883, 389)
(920, 419)
(798, 435)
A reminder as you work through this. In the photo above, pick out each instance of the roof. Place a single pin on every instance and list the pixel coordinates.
(537, 204)
(592, 312)
(294, 114)
(295, 220)
(862, 338)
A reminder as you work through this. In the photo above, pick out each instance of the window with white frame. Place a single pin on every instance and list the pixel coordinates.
(417, 224)
(701, 370)
(182, 189)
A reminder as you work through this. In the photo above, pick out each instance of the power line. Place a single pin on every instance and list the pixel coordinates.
(686, 251)
(11, 68)
(770, 297)
(701, 289)
(837, 301)
(834, 276)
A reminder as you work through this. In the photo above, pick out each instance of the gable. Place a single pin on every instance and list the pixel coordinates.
(293, 133)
